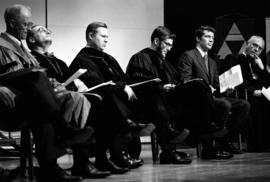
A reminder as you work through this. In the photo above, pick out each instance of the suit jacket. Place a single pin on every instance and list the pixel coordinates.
(191, 65)
(11, 52)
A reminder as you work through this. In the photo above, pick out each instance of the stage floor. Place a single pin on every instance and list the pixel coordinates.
(248, 167)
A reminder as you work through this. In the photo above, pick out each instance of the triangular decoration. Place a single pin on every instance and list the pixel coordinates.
(233, 42)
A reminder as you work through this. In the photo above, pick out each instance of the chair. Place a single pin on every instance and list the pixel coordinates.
(26, 144)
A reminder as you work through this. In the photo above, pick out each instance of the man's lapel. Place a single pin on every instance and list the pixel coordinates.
(10, 44)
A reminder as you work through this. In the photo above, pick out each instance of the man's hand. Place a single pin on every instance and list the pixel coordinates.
(257, 93)
(7, 97)
(57, 86)
(258, 61)
(168, 87)
(228, 91)
(130, 93)
(80, 85)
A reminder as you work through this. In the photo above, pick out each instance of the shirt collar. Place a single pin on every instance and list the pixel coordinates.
(203, 53)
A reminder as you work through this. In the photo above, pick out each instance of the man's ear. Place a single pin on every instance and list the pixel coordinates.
(197, 39)
(31, 40)
(156, 41)
(12, 23)
(90, 35)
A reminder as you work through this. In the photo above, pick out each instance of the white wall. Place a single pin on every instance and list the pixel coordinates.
(37, 7)
(130, 24)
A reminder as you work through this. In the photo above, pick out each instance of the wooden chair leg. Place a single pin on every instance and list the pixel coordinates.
(240, 141)
(154, 146)
(26, 155)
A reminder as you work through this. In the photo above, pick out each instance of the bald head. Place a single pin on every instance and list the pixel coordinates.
(255, 45)
(17, 18)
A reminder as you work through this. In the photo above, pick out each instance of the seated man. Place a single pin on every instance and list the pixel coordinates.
(255, 76)
(30, 97)
(39, 40)
(196, 63)
(102, 67)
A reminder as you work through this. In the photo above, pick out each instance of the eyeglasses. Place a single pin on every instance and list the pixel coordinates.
(256, 46)
(40, 29)
(168, 44)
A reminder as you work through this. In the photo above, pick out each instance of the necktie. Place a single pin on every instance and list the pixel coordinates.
(205, 58)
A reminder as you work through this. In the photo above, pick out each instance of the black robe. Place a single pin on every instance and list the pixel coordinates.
(101, 67)
(181, 103)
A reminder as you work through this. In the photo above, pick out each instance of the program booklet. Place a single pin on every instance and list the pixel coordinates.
(266, 92)
(231, 78)
(99, 85)
(145, 82)
(76, 75)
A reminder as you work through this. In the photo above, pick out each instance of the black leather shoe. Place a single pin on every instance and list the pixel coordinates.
(179, 136)
(132, 126)
(183, 154)
(108, 165)
(229, 147)
(126, 161)
(89, 171)
(173, 158)
(215, 154)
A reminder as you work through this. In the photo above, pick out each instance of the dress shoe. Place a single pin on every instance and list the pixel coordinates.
(146, 130)
(108, 165)
(179, 137)
(215, 154)
(218, 133)
(89, 171)
(229, 147)
(126, 161)
(132, 126)
(56, 174)
(173, 158)
(183, 154)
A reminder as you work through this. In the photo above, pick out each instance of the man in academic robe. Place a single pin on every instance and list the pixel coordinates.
(117, 96)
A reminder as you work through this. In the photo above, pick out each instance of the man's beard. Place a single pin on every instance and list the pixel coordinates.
(159, 50)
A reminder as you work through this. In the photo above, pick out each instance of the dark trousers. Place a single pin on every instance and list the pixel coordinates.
(193, 102)
(233, 112)
(37, 105)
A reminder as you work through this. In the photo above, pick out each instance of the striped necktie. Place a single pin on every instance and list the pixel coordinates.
(205, 59)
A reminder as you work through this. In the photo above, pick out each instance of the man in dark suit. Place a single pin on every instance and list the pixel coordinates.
(196, 63)
(255, 77)
(27, 95)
